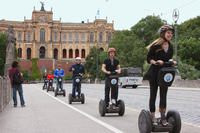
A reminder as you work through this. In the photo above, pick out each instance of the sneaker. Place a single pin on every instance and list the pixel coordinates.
(113, 101)
(154, 121)
(15, 106)
(22, 105)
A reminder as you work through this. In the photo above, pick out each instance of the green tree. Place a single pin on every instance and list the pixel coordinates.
(189, 50)
(91, 63)
(35, 71)
(147, 28)
(3, 52)
(130, 51)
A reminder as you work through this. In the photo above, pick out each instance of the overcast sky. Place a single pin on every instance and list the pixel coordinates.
(125, 13)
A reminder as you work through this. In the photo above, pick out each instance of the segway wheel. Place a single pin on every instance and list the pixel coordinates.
(82, 98)
(174, 118)
(47, 89)
(121, 107)
(145, 122)
(55, 93)
(70, 98)
(64, 93)
(43, 88)
(102, 107)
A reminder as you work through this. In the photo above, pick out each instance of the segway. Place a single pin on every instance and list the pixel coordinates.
(119, 106)
(60, 90)
(145, 122)
(77, 81)
(45, 86)
(50, 85)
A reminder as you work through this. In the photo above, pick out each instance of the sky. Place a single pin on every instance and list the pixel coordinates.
(125, 13)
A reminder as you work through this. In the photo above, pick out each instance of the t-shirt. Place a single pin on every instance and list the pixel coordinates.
(111, 65)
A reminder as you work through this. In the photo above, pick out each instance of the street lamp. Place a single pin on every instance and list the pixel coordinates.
(175, 17)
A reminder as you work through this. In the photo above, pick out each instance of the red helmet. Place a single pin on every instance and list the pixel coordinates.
(111, 50)
(165, 28)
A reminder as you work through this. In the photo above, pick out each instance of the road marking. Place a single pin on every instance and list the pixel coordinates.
(111, 128)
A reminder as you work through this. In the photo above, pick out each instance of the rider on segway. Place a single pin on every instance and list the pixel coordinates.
(45, 80)
(109, 66)
(50, 77)
(77, 69)
(159, 52)
(59, 73)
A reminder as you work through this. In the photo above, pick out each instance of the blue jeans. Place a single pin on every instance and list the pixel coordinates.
(20, 91)
(57, 85)
(74, 89)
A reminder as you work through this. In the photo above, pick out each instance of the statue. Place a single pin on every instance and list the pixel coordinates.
(42, 8)
(10, 49)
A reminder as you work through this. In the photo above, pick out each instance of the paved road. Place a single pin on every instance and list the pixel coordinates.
(46, 114)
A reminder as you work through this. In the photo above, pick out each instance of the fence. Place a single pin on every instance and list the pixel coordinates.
(5, 92)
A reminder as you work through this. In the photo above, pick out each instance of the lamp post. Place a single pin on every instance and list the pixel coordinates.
(175, 17)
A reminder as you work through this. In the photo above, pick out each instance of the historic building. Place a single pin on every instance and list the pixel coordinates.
(45, 38)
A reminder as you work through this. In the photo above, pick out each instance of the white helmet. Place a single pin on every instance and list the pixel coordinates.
(78, 58)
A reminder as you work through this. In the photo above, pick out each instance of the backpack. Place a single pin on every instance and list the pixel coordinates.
(17, 79)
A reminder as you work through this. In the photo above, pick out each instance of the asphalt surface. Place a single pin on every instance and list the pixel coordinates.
(45, 113)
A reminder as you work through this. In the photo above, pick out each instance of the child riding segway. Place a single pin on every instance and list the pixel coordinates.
(111, 68)
(50, 78)
(45, 81)
(161, 73)
(78, 72)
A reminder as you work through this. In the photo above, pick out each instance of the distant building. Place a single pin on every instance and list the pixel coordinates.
(45, 38)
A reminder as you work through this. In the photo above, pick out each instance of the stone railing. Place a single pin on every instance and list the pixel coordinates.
(5, 92)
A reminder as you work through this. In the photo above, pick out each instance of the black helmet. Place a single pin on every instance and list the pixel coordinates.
(165, 28)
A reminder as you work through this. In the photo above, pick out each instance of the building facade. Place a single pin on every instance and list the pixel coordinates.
(45, 38)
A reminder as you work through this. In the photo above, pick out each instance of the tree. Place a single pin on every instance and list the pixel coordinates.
(189, 50)
(130, 51)
(91, 63)
(3, 53)
(147, 28)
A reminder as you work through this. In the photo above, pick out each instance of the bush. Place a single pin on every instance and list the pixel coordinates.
(25, 74)
(188, 71)
(3, 53)
(68, 76)
(36, 75)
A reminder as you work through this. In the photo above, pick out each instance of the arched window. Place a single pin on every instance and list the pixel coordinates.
(64, 53)
(29, 36)
(42, 52)
(76, 53)
(83, 53)
(70, 53)
(77, 38)
(100, 37)
(55, 53)
(109, 37)
(91, 37)
(19, 52)
(28, 53)
(101, 49)
(42, 35)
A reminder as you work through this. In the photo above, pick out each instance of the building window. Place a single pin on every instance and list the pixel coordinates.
(70, 53)
(83, 37)
(70, 38)
(76, 53)
(28, 53)
(91, 37)
(55, 53)
(29, 36)
(42, 52)
(64, 53)
(77, 38)
(109, 37)
(55, 36)
(100, 37)
(42, 35)
(83, 53)
(19, 53)
(64, 37)
(19, 36)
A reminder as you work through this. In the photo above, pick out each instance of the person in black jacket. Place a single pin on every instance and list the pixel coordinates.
(110, 65)
(160, 51)
(77, 69)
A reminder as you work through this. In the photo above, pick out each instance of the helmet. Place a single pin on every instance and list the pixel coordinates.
(165, 28)
(111, 50)
(78, 58)
(59, 65)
